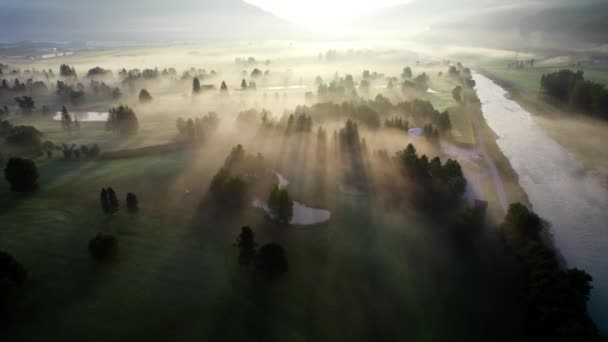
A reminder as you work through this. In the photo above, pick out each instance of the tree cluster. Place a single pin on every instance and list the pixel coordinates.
(270, 260)
(440, 183)
(298, 123)
(122, 120)
(109, 201)
(26, 104)
(569, 87)
(66, 91)
(66, 71)
(397, 122)
(71, 152)
(556, 298)
(199, 129)
(431, 133)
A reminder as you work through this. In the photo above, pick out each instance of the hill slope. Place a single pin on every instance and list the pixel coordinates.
(139, 20)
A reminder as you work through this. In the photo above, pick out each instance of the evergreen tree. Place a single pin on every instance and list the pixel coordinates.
(280, 204)
(196, 86)
(113, 200)
(224, 87)
(105, 202)
(247, 246)
(66, 120)
(244, 84)
(144, 96)
(132, 203)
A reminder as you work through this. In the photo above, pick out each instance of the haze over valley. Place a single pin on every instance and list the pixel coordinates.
(268, 170)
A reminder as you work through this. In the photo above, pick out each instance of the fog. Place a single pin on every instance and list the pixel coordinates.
(406, 163)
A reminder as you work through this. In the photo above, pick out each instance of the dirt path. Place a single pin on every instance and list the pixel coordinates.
(481, 149)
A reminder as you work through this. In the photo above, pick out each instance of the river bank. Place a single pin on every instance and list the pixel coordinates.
(493, 176)
(581, 136)
(575, 206)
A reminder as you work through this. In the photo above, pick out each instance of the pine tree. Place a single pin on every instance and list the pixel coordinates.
(105, 203)
(224, 87)
(247, 246)
(196, 86)
(66, 120)
(112, 200)
(132, 203)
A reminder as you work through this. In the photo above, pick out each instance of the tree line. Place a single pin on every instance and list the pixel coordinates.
(571, 88)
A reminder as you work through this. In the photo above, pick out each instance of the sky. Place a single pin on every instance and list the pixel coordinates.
(320, 15)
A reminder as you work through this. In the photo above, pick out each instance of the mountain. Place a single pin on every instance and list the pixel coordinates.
(496, 23)
(139, 20)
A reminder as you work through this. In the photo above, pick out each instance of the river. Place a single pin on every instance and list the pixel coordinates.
(573, 201)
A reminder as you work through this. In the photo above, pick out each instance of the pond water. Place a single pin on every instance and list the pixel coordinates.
(302, 215)
(560, 190)
(85, 116)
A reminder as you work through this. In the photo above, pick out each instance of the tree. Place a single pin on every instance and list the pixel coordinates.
(281, 205)
(244, 84)
(66, 71)
(224, 87)
(556, 298)
(256, 73)
(122, 120)
(25, 136)
(11, 271)
(196, 86)
(407, 73)
(271, 260)
(67, 150)
(66, 120)
(22, 174)
(235, 158)
(132, 203)
(113, 200)
(103, 246)
(144, 96)
(26, 104)
(457, 94)
(422, 82)
(247, 246)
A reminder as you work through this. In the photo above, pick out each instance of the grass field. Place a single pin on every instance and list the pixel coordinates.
(371, 273)
(528, 79)
(368, 274)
